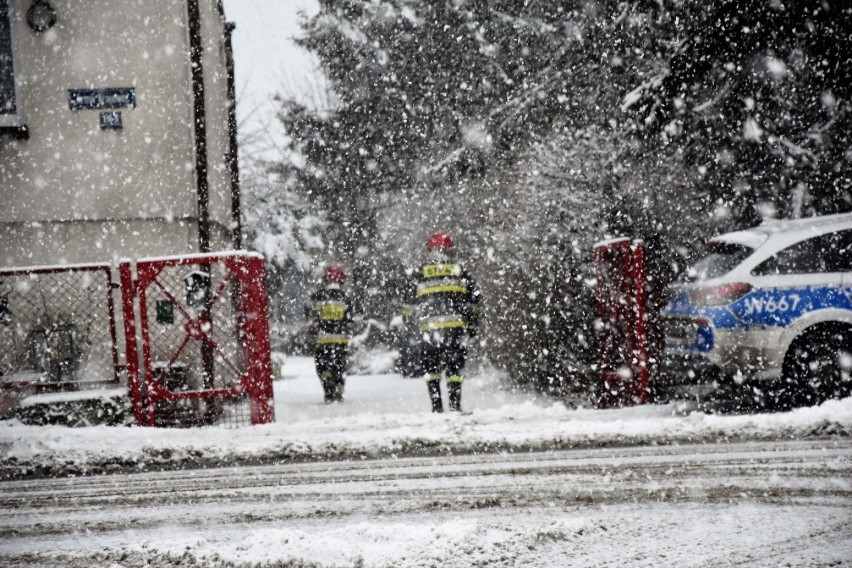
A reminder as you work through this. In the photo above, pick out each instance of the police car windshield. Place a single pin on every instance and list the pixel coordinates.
(719, 259)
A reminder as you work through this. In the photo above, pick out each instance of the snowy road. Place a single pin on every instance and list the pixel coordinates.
(643, 486)
(755, 504)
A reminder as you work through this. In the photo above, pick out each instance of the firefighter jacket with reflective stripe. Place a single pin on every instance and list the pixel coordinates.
(331, 311)
(445, 297)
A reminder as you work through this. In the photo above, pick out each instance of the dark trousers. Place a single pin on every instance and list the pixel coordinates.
(444, 351)
(330, 361)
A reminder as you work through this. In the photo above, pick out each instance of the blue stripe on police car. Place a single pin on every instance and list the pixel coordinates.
(781, 307)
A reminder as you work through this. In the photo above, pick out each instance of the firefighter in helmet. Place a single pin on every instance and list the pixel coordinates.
(446, 309)
(331, 312)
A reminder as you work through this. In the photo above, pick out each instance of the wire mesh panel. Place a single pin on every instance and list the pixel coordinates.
(57, 326)
(622, 332)
(204, 335)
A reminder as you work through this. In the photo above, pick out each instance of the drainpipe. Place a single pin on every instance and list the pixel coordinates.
(196, 50)
(233, 164)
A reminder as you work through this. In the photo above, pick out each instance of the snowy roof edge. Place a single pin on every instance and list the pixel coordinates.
(198, 255)
(49, 267)
(614, 240)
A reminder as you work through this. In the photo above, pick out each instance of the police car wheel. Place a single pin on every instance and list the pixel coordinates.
(817, 367)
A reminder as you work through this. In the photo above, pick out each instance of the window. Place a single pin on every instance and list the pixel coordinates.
(9, 106)
(720, 259)
(827, 253)
(839, 253)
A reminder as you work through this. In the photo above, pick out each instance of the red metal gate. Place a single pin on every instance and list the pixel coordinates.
(203, 326)
(622, 338)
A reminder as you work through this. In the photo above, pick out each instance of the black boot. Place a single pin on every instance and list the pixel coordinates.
(454, 392)
(327, 387)
(435, 395)
(328, 391)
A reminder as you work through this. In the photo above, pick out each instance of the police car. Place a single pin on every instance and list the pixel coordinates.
(773, 305)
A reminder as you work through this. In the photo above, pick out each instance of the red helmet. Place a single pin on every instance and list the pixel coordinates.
(439, 240)
(334, 274)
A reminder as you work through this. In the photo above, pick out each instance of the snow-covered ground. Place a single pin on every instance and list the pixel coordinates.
(519, 480)
(709, 505)
(387, 415)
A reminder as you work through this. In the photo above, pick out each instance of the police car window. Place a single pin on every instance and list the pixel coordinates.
(720, 259)
(827, 253)
(839, 255)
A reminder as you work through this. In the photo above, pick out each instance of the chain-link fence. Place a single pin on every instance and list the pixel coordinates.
(57, 326)
(196, 331)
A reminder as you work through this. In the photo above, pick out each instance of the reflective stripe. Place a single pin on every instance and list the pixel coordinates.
(442, 321)
(332, 340)
(455, 379)
(432, 377)
(331, 311)
(433, 282)
(435, 270)
(441, 325)
(445, 288)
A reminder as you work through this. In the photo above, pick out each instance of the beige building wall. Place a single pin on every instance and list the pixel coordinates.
(217, 105)
(73, 192)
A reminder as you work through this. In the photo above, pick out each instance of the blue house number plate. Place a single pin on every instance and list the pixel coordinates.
(110, 120)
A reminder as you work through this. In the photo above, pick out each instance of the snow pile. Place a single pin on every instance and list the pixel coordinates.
(387, 415)
(645, 534)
